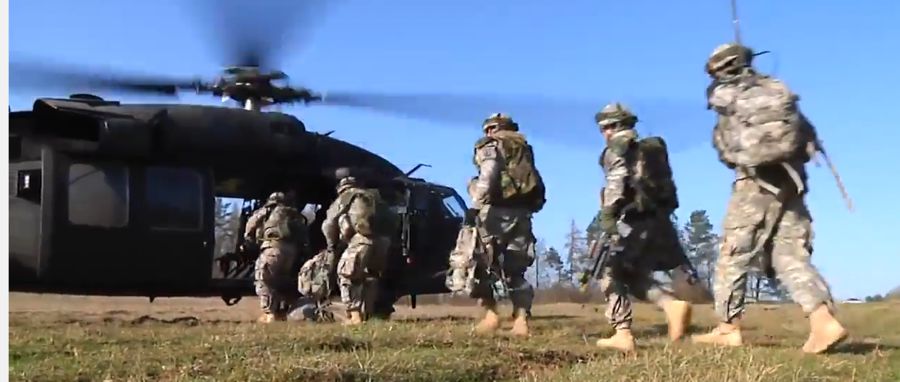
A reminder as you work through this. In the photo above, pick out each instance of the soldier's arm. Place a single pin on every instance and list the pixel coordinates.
(253, 224)
(489, 165)
(330, 228)
(616, 171)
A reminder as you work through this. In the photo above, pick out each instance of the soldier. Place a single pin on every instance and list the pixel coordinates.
(762, 135)
(359, 220)
(506, 192)
(641, 193)
(280, 231)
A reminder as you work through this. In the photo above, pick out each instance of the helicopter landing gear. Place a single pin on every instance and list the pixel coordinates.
(231, 300)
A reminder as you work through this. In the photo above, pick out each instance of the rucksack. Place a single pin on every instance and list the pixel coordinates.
(382, 219)
(653, 180)
(278, 223)
(763, 123)
(651, 174)
(312, 280)
(520, 181)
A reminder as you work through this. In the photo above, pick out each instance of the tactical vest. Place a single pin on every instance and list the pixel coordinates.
(650, 179)
(521, 184)
(760, 123)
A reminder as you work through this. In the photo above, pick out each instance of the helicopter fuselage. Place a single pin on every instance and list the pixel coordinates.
(116, 199)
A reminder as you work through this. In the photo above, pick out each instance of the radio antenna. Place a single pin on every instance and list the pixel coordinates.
(735, 22)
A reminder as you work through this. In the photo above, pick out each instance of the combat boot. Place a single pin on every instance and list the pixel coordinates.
(824, 331)
(622, 340)
(355, 318)
(266, 318)
(491, 320)
(678, 315)
(520, 323)
(726, 334)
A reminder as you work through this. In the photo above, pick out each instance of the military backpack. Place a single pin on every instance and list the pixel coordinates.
(381, 220)
(279, 223)
(313, 278)
(520, 181)
(763, 125)
(651, 177)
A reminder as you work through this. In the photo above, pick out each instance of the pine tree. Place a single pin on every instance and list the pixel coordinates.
(576, 252)
(554, 264)
(536, 276)
(701, 245)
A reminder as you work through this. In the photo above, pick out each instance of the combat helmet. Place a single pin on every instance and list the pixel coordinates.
(345, 183)
(616, 114)
(727, 57)
(275, 198)
(500, 121)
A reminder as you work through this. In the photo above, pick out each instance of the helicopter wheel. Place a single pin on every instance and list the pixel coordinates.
(384, 304)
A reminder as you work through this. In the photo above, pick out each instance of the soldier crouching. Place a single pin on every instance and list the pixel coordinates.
(356, 219)
(280, 231)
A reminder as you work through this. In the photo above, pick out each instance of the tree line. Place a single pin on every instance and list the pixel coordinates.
(555, 268)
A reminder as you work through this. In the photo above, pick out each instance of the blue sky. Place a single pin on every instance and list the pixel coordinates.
(835, 54)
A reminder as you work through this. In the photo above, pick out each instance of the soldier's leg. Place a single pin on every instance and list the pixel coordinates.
(518, 258)
(487, 237)
(351, 277)
(742, 228)
(262, 279)
(282, 280)
(643, 286)
(618, 309)
(374, 262)
(660, 244)
(791, 252)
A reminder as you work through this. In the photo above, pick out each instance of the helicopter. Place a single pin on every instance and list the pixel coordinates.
(124, 199)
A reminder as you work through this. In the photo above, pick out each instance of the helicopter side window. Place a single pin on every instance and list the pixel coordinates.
(174, 198)
(98, 195)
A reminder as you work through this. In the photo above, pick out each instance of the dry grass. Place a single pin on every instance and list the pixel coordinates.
(121, 339)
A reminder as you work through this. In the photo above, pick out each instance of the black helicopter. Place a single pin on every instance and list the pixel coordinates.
(121, 199)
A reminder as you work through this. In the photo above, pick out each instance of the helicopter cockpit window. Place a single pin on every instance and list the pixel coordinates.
(98, 195)
(451, 206)
(174, 198)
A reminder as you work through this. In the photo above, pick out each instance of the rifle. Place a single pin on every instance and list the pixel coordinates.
(605, 247)
(602, 250)
(599, 252)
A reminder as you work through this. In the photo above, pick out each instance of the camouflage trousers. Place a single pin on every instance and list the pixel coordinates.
(790, 251)
(507, 235)
(358, 270)
(273, 279)
(652, 241)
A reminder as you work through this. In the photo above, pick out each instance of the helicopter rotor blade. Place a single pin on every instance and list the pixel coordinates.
(683, 123)
(253, 33)
(38, 74)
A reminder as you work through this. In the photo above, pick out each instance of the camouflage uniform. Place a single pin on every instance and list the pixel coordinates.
(365, 256)
(505, 225)
(651, 245)
(272, 275)
(769, 232)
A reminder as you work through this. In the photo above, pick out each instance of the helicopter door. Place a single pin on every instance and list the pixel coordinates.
(94, 239)
(179, 238)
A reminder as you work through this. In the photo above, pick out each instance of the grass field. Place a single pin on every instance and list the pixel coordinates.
(68, 338)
